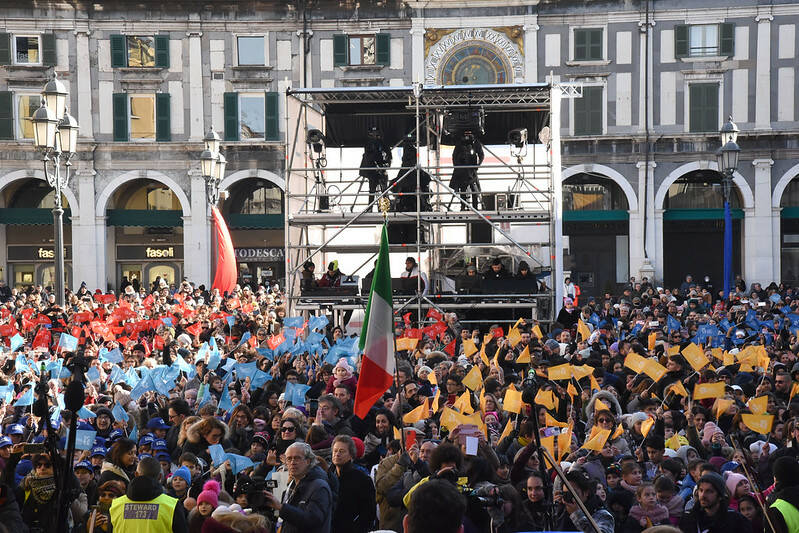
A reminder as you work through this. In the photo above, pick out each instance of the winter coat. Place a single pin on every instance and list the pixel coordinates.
(310, 507)
(145, 489)
(111, 472)
(790, 495)
(196, 444)
(389, 473)
(356, 510)
(725, 521)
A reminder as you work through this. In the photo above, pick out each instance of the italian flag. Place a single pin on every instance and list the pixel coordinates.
(377, 337)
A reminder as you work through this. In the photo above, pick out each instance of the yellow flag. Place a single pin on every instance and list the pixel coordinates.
(758, 423)
(728, 359)
(718, 353)
(652, 339)
(598, 441)
(487, 338)
(405, 343)
(563, 371)
(473, 379)
(513, 401)
(514, 337)
(506, 431)
(583, 330)
(469, 348)
(758, 405)
(537, 332)
(695, 356)
(722, 404)
(635, 362)
(432, 379)
(450, 419)
(545, 398)
(594, 384)
(524, 357)
(495, 360)
(464, 403)
(483, 355)
(579, 372)
(646, 426)
(618, 433)
(654, 370)
(482, 401)
(594, 430)
(703, 391)
(564, 443)
(436, 400)
(552, 423)
(794, 390)
(673, 350)
(678, 388)
(599, 405)
(549, 444)
(397, 434)
(420, 413)
(570, 390)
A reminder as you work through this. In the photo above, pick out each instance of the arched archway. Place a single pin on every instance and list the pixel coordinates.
(596, 214)
(747, 198)
(239, 175)
(606, 172)
(10, 177)
(102, 198)
(786, 199)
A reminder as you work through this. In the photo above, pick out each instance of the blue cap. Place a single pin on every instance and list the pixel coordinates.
(163, 456)
(156, 423)
(15, 429)
(98, 450)
(116, 434)
(5, 441)
(159, 444)
(144, 455)
(38, 439)
(84, 464)
(146, 440)
(183, 473)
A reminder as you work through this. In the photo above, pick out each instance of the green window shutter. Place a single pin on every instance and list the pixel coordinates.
(340, 49)
(162, 51)
(681, 40)
(272, 115)
(712, 107)
(6, 115)
(588, 112)
(5, 48)
(595, 44)
(48, 49)
(231, 105)
(120, 117)
(580, 45)
(704, 107)
(163, 122)
(383, 44)
(726, 39)
(119, 51)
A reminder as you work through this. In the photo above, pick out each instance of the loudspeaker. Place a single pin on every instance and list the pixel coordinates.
(480, 233)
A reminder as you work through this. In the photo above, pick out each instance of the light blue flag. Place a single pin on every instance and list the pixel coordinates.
(317, 322)
(230, 319)
(84, 439)
(21, 364)
(16, 342)
(245, 370)
(67, 342)
(85, 412)
(295, 393)
(163, 387)
(238, 462)
(131, 377)
(116, 375)
(259, 379)
(314, 338)
(93, 374)
(202, 351)
(134, 435)
(224, 400)
(167, 321)
(119, 413)
(141, 387)
(60, 401)
(217, 454)
(65, 373)
(7, 393)
(26, 399)
(215, 357)
(244, 338)
(55, 418)
(265, 352)
(293, 322)
(203, 395)
(114, 356)
(229, 364)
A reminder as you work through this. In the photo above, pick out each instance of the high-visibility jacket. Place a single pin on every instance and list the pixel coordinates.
(151, 516)
(789, 513)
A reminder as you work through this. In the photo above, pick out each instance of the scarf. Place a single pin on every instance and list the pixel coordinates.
(41, 488)
(657, 515)
(523, 441)
(627, 486)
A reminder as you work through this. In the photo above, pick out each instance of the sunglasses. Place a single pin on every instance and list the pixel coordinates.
(43, 465)
(287, 429)
(603, 420)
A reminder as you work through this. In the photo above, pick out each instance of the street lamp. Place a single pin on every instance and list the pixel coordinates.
(55, 135)
(212, 166)
(727, 158)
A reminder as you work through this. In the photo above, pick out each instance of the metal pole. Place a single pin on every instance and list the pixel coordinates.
(58, 229)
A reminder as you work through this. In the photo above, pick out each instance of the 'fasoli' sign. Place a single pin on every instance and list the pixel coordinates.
(260, 254)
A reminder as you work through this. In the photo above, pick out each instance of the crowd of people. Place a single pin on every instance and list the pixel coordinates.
(669, 409)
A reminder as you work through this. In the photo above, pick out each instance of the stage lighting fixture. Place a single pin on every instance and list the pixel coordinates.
(518, 137)
(316, 140)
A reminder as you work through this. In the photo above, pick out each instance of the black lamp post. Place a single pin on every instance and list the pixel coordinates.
(727, 158)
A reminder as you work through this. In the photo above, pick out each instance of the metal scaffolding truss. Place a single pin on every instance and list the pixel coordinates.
(314, 229)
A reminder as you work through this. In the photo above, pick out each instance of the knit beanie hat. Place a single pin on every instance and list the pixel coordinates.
(717, 482)
(786, 472)
(731, 480)
(183, 473)
(210, 493)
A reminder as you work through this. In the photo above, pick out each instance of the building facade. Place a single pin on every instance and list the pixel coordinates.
(651, 83)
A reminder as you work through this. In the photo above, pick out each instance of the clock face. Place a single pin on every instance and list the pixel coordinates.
(473, 64)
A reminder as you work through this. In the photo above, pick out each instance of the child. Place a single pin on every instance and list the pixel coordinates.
(647, 512)
(630, 476)
(668, 497)
(181, 481)
(738, 486)
(613, 476)
(207, 501)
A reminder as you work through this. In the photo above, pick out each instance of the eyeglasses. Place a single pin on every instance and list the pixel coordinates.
(287, 429)
(43, 465)
(290, 459)
(604, 420)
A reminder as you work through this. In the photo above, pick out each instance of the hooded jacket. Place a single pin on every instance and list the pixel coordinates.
(790, 495)
(310, 507)
(196, 444)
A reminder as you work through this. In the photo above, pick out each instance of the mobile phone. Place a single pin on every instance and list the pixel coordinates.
(654, 324)
(314, 406)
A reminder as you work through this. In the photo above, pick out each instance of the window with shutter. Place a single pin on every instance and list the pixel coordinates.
(5, 48)
(340, 46)
(272, 117)
(119, 52)
(383, 45)
(704, 107)
(162, 51)
(120, 105)
(727, 39)
(680, 40)
(588, 44)
(48, 49)
(231, 105)
(589, 112)
(163, 118)
(6, 115)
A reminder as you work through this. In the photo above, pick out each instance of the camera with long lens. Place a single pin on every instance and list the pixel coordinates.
(487, 497)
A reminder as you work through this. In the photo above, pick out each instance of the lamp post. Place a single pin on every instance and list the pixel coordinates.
(55, 135)
(727, 158)
(212, 166)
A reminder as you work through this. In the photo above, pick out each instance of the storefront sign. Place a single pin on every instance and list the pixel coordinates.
(36, 253)
(257, 255)
(150, 253)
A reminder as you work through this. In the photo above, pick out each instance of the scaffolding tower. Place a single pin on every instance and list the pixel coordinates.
(328, 214)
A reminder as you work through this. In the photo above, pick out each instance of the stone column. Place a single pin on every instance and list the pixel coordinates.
(197, 233)
(531, 49)
(758, 253)
(643, 251)
(763, 73)
(417, 51)
(84, 86)
(88, 254)
(196, 92)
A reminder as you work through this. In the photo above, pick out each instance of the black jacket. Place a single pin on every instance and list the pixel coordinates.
(356, 507)
(725, 521)
(310, 506)
(144, 489)
(790, 495)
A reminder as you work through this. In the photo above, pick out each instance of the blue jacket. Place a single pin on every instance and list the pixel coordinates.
(687, 490)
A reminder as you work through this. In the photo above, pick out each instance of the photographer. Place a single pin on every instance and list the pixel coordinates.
(574, 519)
(376, 158)
(468, 152)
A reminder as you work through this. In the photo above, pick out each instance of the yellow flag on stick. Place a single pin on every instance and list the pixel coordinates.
(718, 353)
(513, 401)
(794, 391)
(420, 413)
(579, 372)
(727, 359)
(646, 426)
(506, 431)
(483, 401)
(464, 403)
(545, 398)
(549, 444)
(758, 423)
(598, 441)
(594, 384)
(618, 433)
(564, 443)
(397, 434)
(537, 332)
(436, 400)
(722, 404)
(552, 423)
(570, 390)
(695, 356)
(432, 379)
(678, 388)
(654, 370)
(405, 343)
(758, 405)
(483, 355)
(583, 330)
(469, 348)
(450, 419)
(474, 379)
(635, 362)
(495, 360)
(651, 340)
(599, 405)
(487, 338)
(703, 391)
(563, 371)
(524, 357)
(514, 337)
(673, 350)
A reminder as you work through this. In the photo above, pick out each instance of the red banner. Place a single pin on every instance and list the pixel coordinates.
(226, 270)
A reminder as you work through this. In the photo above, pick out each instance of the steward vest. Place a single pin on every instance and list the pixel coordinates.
(789, 513)
(152, 516)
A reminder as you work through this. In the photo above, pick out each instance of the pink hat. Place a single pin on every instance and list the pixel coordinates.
(708, 432)
(210, 493)
(732, 481)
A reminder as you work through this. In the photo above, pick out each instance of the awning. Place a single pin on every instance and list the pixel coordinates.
(28, 216)
(149, 218)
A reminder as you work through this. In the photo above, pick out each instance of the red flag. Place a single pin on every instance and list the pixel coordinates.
(413, 333)
(75, 332)
(42, 319)
(233, 303)
(498, 333)
(407, 319)
(253, 342)
(247, 308)
(8, 330)
(439, 328)
(450, 348)
(194, 329)
(435, 315)
(275, 341)
(148, 302)
(84, 316)
(179, 297)
(226, 273)
(105, 298)
(42, 339)
(158, 342)
(5, 313)
(28, 312)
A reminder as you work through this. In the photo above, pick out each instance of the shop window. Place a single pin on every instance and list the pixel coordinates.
(361, 49)
(27, 49)
(34, 194)
(142, 117)
(587, 192)
(700, 189)
(251, 50)
(160, 198)
(251, 116)
(23, 275)
(140, 51)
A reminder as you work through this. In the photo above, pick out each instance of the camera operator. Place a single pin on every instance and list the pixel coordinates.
(376, 158)
(574, 519)
(405, 181)
(468, 152)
